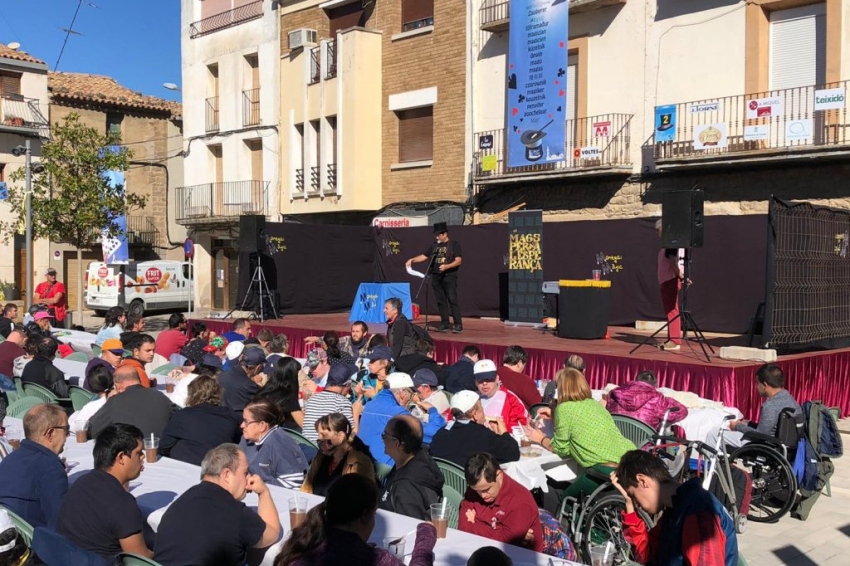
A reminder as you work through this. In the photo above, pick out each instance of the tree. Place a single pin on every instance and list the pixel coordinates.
(73, 201)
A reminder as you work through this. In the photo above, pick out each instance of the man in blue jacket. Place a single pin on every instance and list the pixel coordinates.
(393, 400)
(33, 481)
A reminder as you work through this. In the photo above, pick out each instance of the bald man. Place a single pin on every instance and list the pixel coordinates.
(33, 481)
(415, 481)
(146, 408)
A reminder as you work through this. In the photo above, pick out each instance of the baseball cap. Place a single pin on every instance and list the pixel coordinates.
(6, 524)
(425, 376)
(484, 370)
(114, 345)
(41, 315)
(381, 353)
(399, 380)
(234, 350)
(315, 357)
(50, 271)
(253, 357)
(464, 400)
(340, 374)
(210, 360)
(216, 343)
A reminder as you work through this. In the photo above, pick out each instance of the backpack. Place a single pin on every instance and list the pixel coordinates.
(812, 465)
(419, 333)
(822, 430)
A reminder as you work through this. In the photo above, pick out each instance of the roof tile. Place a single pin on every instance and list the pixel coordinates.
(105, 90)
(7, 52)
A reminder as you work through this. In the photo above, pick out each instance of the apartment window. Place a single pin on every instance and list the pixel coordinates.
(212, 107)
(10, 84)
(416, 134)
(316, 158)
(255, 147)
(113, 126)
(416, 14)
(218, 165)
(798, 47)
(344, 17)
(298, 157)
(212, 7)
(251, 95)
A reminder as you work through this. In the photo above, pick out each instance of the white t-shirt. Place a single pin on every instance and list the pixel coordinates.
(80, 419)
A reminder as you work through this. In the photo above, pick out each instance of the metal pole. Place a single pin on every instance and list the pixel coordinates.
(28, 199)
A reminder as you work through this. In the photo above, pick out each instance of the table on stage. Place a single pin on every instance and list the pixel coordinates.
(583, 308)
(368, 304)
(162, 482)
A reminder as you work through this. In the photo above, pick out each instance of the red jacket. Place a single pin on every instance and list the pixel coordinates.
(642, 401)
(521, 385)
(507, 519)
(513, 411)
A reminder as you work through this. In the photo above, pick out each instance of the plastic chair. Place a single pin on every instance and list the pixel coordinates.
(454, 487)
(536, 409)
(80, 396)
(20, 407)
(164, 369)
(741, 560)
(178, 360)
(130, 559)
(382, 471)
(637, 431)
(77, 357)
(11, 396)
(95, 349)
(300, 438)
(19, 385)
(24, 528)
(42, 393)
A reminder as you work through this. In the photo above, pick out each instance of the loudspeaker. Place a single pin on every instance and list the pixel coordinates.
(250, 228)
(681, 219)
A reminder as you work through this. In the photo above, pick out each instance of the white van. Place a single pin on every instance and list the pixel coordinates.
(139, 287)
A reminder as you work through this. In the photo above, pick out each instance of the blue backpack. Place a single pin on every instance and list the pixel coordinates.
(812, 465)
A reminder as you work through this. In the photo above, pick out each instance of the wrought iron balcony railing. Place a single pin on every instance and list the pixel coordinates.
(226, 201)
(226, 19)
(17, 111)
(315, 65)
(596, 142)
(212, 114)
(299, 180)
(330, 72)
(142, 230)
(332, 176)
(495, 15)
(251, 107)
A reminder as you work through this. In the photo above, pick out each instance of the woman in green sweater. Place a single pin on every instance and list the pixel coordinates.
(584, 431)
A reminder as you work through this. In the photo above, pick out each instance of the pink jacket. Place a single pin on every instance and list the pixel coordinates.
(641, 401)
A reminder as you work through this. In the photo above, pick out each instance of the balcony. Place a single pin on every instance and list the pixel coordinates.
(767, 126)
(494, 15)
(315, 65)
(141, 230)
(250, 107)
(22, 115)
(212, 114)
(314, 178)
(332, 176)
(221, 203)
(597, 145)
(226, 19)
(330, 60)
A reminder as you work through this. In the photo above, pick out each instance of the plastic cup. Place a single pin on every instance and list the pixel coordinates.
(395, 546)
(597, 274)
(602, 555)
(151, 449)
(169, 386)
(297, 511)
(440, 518)
(14, 436)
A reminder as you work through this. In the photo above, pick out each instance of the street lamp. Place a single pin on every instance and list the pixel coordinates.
(18, 151)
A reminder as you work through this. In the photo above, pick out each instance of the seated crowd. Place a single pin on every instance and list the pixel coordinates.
(246, 412)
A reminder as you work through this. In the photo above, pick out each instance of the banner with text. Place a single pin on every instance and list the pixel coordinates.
(115, 248)
(537, 82)
(525, 266)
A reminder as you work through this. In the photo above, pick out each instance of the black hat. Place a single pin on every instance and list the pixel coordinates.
(440, 227)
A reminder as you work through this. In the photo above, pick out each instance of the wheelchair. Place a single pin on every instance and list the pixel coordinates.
(766, 458)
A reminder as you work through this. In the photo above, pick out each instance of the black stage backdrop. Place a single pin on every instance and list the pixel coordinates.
(320, 266)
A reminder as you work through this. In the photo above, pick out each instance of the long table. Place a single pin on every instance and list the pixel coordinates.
(162, 482)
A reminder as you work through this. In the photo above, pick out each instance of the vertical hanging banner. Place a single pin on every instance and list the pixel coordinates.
(115, 248)
(537, 82)
(525, 267)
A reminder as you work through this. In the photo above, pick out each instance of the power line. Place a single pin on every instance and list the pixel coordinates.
(68, 34)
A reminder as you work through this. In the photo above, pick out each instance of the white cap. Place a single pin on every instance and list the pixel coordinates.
(5, 525)
(484, 370)
(234, 350)
(399, 380)
(463, 401)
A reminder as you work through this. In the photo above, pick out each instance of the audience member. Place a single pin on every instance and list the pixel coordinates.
(33, 481)
(574, 361)
(193, 350)
(278, 348)
(135, 323)
(7, 321)
(497, 507)
(30, 350)
(422, 358)
(460, 376)
(314, 374)
(332, 399)
(41, 371)
(111, 354)
(11, 349)
(512, 376)
(337, 531)
(262, 339)
(240, 330)
(133, 404)
(355, 345)
(99, 514)
(141, 348)
(41, 319)
(171, 341)
(387, 404)
(100, 383)
(336, 355)
(425, 382)
(240, 381)
(380, 366)
(415, 481)
(217, 347)
(209, 525)
(489, 556)
(14, 550)
(113, 325)
(694, 528)
(201, 426)
(232, 355)
(401, 338)
(340, 453)
(498, 403)
(272, 454)
(282, 388)
(468, 433)
(641, 400)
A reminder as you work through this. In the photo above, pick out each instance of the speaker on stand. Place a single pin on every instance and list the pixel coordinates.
(258, 297)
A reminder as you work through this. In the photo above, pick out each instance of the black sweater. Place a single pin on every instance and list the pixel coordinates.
(458, 443)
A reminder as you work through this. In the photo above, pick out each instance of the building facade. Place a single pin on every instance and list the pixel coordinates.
(230, 61)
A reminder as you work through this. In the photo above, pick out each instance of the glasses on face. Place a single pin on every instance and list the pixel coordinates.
(247, 422)
(66, 428)
(385, 436)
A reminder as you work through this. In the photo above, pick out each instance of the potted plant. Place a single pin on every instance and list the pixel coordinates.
(8, 292)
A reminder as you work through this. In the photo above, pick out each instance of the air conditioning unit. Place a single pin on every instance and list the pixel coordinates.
(301, 37)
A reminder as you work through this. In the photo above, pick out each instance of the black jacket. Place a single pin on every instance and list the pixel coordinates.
(462, 440)
(41, 371)
(412, 362)
(193, 431)
(148, 409)
(459, 377)
(412, 489)
(401, 338)
(239, 390)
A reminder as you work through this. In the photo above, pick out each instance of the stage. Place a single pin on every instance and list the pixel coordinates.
(816, 375)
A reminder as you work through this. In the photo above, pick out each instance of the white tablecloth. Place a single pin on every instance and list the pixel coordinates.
(530, 472)
(80, 341)
(71, 368)
(162, 482)
(700, 422)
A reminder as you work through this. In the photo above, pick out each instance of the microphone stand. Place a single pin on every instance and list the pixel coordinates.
(422, 284)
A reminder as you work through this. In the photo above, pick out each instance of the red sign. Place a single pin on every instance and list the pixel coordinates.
(601, 129)
(153, 275)
(102, 272)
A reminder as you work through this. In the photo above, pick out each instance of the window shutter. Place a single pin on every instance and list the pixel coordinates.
(345, 17)
(798, 47)
(415, 10)
(212, 7)
(416, 134)
(10, 83)
(572, 90)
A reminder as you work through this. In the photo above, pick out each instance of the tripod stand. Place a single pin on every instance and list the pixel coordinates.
(686, 318)
(422, 285)
(263, 293)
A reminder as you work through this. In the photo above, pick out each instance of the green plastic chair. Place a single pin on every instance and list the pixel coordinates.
(637, 431)
(44, 394)
(454, 488)
(536, 409)
(19, 385)
(77, 357)
(20, 407)
(300, 438)
(95, 349)
(382, 471)
(80, 396)
(164, 369)
(11, 396)
(24, 528)
(130, 559)
(741, 560)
